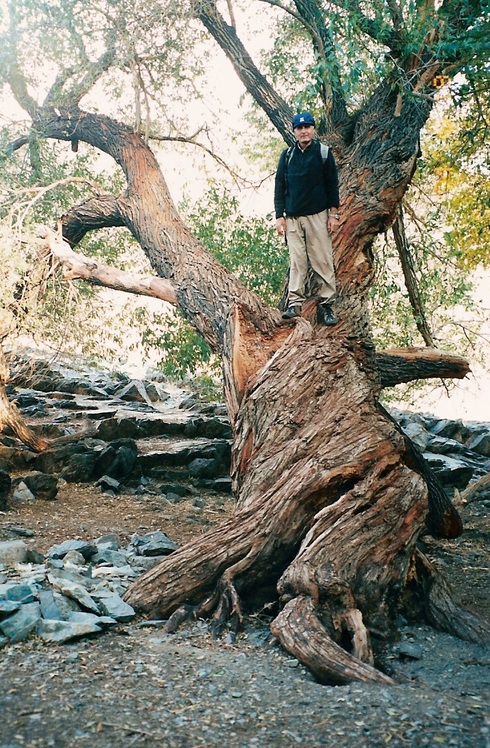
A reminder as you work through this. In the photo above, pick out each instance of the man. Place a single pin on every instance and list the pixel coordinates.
(306, 201)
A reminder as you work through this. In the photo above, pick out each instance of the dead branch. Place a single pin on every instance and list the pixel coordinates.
(75, 265)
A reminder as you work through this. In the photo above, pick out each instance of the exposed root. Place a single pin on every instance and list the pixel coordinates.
(10, 416)
(228, 611)
(300, 631)
(177, 618)
(441, 609)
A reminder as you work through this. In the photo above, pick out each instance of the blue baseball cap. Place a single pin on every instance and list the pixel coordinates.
(303, 118)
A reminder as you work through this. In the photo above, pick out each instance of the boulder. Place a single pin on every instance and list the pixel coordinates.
(13, 552)
(41, 485)
(114, 606)
(19, 625)
(59, 551)
(22, 494)
(65, 631)
(152, 544)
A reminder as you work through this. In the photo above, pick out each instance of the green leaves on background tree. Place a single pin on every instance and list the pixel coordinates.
(248, 246)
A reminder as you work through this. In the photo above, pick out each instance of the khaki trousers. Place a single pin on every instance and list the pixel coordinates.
(310, 246)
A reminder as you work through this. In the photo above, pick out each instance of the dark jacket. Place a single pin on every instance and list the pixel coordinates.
(306, 185)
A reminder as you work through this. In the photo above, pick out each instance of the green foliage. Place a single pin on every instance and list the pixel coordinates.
(246, 246)
(181, 352)
(456, 171)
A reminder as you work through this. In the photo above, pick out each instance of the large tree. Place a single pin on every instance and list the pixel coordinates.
(331, 497)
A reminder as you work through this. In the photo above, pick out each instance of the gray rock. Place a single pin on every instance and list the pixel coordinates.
(112, 572)
(13, 552)
(124, 461)
(80, 468)
(451, 472)
(135, 391)
(409, 650)
(17, 531)
(59, 551)
(22, 493)
(141, 564)
(41, 485)
(108, 485)
(65, 605)
(102, 621)
(110, 557)
(66, 583)
(418, 434)
(114, 606)
(18, 592)
(49, 606)
(203, 468)
(108, 542)
(18, 626)
(73, 559)
(156, 392)
(65, 631)
(7, 607)
(480, 443)
(152, 544)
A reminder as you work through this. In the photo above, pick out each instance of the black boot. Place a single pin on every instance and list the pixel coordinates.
(294, 310)
(326, 315)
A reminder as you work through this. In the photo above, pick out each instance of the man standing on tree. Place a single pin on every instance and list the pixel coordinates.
(306, 201)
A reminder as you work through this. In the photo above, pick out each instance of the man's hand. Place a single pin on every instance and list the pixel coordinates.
(281, 226)
(333, 223)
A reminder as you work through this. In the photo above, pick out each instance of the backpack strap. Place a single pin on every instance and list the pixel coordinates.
(323, 150)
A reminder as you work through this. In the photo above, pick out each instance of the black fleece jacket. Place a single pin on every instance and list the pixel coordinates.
(306, 185)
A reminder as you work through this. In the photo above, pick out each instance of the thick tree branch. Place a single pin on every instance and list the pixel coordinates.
(207, 294)
(60, 92)
(95, 213)
(333, 98)
(399, 365)
(256, 84)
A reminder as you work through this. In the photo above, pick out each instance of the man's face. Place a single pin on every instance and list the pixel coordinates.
(304, 134)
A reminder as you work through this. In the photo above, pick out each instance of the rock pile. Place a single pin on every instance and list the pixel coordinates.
(75, 590)
(457, 451)
(149, 437)
(115, 432)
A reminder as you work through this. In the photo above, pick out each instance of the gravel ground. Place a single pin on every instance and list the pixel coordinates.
(137, 686)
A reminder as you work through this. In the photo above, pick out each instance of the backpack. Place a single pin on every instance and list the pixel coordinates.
(290, 151)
